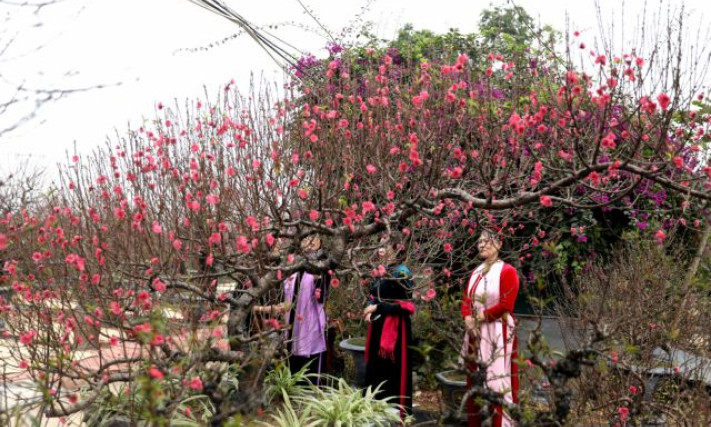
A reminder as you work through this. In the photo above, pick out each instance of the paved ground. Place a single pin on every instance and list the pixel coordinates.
(558, 335)
(425, 418)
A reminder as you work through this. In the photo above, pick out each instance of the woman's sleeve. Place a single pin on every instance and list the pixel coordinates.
(508, 290)
(387, 308)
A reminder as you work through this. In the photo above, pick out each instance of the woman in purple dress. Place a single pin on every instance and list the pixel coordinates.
(304, 315)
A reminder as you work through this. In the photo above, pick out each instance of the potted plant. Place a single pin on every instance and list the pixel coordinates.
(453, 385)
(356, 347)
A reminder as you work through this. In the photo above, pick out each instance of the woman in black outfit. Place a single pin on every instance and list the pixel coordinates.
(387, 350)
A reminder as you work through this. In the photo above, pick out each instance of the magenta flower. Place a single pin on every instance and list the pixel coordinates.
(664, 101)
(624, 413)
(212, 199)
(156, 228)
(27, 338)
(214, 239)
(243, 245)
(659, 236)
(196, 384)
(270, 239)
(155, 373)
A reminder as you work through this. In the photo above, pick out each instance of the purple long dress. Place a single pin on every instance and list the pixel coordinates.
(307, 318)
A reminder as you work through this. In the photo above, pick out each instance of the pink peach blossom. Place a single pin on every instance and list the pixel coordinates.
(664, 101)
(660, 236)
(196, 384)
(155, 373)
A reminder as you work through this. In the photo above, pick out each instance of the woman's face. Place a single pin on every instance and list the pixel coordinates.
(385, 252)
(488, 246)
(311, 244)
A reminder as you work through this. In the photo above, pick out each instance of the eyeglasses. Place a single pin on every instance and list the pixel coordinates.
(484, 242)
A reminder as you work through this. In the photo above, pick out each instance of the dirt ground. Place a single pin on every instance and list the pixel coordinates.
(427, 400)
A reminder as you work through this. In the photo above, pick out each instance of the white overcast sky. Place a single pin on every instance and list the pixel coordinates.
(145, 45)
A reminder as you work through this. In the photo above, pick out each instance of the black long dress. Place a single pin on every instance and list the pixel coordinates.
(392, 294)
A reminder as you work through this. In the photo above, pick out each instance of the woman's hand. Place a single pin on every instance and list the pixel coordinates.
(272, 309)
(368, 311)
(471, 325)
(282, 307)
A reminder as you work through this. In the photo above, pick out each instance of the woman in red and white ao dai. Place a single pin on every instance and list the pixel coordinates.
(486, 308)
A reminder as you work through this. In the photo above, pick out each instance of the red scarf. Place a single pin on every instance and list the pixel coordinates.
(388, 338)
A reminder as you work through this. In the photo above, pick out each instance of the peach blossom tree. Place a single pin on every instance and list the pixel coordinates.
(145, 267)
